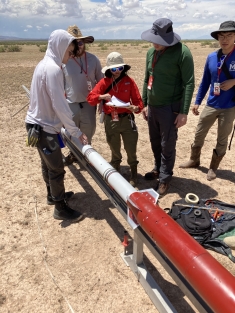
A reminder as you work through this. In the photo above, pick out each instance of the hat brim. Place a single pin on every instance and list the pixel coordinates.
(170, 40)
(224, 30)
(86, 39)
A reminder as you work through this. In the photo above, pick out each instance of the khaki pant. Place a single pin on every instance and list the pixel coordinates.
(225, 124)
(84, 117)
(114, 132)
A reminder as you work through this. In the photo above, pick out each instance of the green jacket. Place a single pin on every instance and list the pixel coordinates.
(173, 77)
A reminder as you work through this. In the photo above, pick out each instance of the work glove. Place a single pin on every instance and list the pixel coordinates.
(33, 136)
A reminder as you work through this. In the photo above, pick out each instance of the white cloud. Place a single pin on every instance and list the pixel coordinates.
(131, 3)
(48, 15)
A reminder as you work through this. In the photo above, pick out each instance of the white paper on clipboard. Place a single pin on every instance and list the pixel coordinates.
(115, 102)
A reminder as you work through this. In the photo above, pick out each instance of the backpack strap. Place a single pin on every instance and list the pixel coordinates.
(229, 76)
(225, 69)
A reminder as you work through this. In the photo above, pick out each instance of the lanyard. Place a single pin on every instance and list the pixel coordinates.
(222, 62)
(157, 54)
(82, 69)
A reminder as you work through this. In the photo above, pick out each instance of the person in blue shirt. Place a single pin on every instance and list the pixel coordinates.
(221, 100)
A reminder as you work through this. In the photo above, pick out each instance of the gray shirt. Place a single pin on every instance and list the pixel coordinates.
(79, 71)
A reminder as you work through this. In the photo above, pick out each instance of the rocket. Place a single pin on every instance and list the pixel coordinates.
(214, 284)
(208, 277)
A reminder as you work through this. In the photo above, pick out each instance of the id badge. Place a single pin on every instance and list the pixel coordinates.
(89, 86)
(114, 115)
(216, 89)
(150, 82)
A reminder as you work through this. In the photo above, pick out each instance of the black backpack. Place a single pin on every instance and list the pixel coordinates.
(196, 222)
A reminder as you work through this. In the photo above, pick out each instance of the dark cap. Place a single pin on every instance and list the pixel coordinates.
(228, 26)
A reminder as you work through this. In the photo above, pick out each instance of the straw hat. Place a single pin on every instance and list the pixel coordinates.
(75, 32)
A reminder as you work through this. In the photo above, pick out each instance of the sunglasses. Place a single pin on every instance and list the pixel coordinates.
(80, 43)
(115, 69)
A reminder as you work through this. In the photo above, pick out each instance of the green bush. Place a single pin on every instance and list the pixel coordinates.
(205, 43)
(42, 48)
(2, 49)
(14, 48)
(104, 48)
(214, 45)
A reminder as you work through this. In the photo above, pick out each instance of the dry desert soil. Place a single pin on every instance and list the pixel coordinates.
(56, 267)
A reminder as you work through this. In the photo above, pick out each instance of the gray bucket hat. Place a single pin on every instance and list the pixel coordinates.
(161, 33)
(115, 59)
(227, 26)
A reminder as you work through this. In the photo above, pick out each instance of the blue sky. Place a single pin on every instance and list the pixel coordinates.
(112, 19)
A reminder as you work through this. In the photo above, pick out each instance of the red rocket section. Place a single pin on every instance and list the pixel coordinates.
(207, 276)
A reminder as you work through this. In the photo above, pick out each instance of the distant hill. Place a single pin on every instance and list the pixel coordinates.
(10, 38)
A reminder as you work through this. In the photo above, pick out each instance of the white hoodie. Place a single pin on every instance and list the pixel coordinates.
(48, 106)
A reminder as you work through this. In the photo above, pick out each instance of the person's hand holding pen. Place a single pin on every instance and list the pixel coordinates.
(106, 97)
(133, 108)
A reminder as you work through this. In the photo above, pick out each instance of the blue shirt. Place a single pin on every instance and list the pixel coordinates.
(210, 76)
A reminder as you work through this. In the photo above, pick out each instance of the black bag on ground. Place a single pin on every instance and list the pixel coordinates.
(196, 222)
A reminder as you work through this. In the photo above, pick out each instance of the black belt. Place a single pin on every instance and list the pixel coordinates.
(120, 114)
(81, 104)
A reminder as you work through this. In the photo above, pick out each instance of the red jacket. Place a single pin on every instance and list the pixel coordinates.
(125, 90)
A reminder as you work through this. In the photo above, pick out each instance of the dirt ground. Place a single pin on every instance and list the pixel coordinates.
(49, 266)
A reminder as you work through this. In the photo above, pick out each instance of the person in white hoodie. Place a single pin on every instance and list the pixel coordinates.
(48, 112)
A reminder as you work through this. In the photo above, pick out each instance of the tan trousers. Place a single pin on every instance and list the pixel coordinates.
(208, 116)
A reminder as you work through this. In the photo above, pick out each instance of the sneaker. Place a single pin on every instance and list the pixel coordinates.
(69, 159)
(162, 189)
(63, 212)
(67, 196)
(154, 174)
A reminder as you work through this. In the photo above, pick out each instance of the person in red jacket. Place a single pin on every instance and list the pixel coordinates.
(119, 120)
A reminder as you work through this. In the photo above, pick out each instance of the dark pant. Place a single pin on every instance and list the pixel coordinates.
(52, 163)
(163, 137)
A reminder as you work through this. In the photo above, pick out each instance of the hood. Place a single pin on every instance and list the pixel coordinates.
(58, 42)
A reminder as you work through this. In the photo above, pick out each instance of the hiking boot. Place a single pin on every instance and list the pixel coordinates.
(162, 189)
(154, 174)
(215, 161)
(63, 212)
(133, 179)
(67, 196)
(69, 159)
(117, 167)
(194, 160)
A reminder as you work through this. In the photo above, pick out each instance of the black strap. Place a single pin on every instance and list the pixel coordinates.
(229, 76)
(115, 82)
(225, 69)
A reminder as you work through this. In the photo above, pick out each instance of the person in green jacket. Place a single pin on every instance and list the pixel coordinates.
(167, 94)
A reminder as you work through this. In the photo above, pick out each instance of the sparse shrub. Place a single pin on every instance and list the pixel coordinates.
(104, 48)
(42, 48)
(2, 49)
(14, 48)
(145, 46)
(205, 43)
(214, 45)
